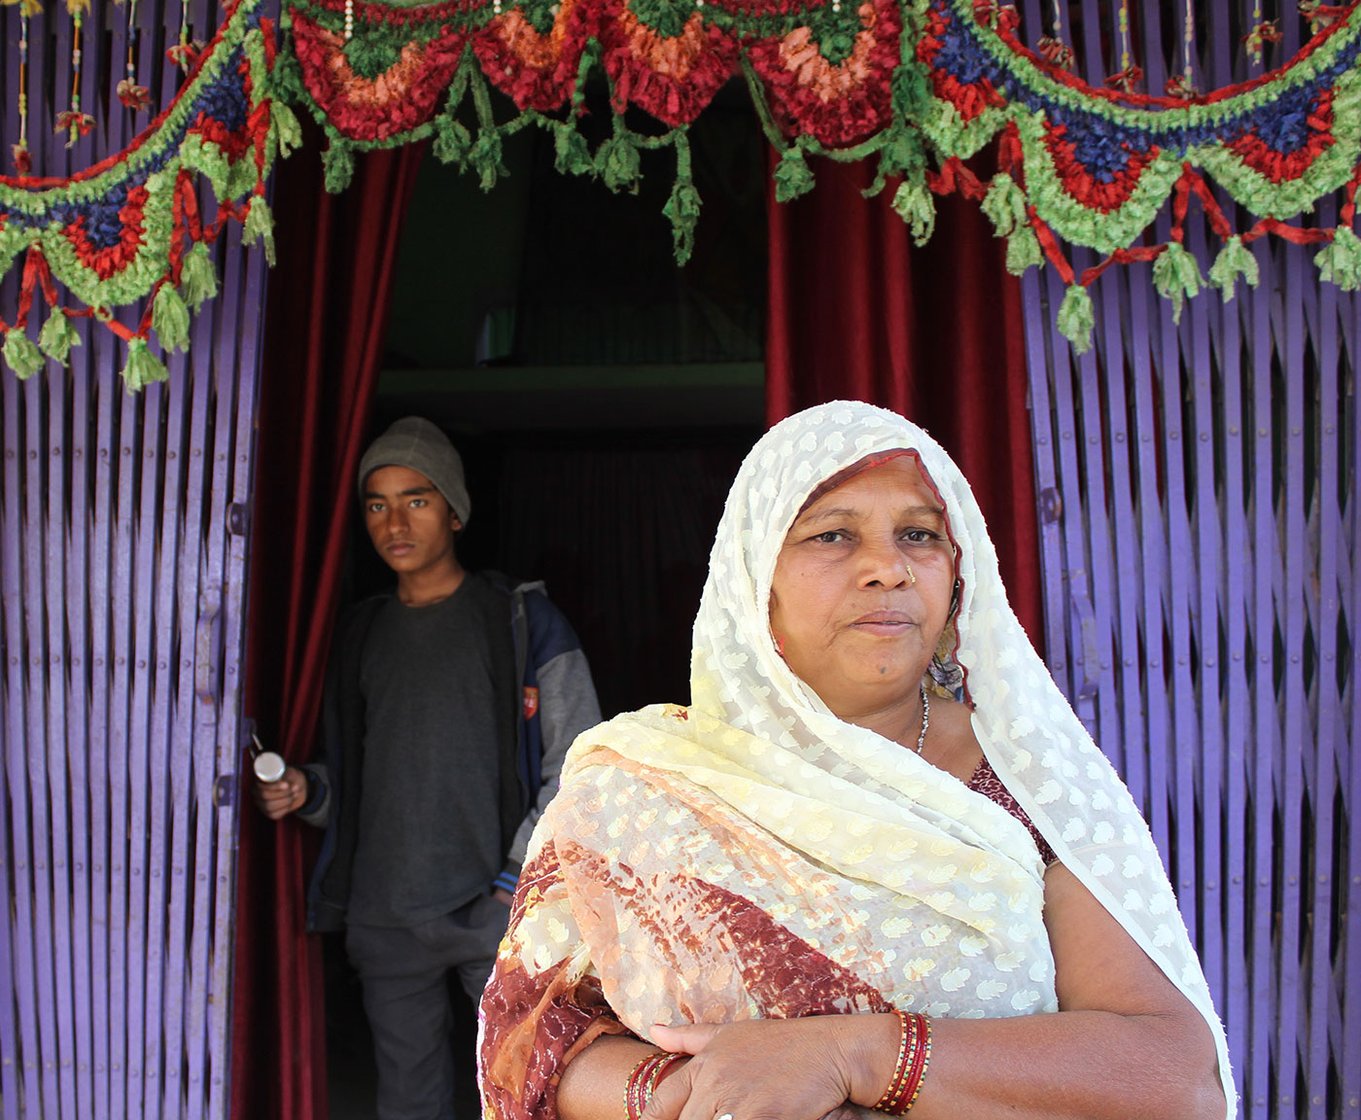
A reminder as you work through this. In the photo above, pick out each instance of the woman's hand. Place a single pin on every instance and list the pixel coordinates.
(770, 1069)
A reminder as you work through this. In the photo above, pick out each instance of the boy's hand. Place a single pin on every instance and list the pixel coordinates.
(277, 799)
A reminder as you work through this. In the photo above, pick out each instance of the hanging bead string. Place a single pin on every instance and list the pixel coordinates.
(1188, 46)
(185, 51)
(184, 27)
(132, 95)
(1051, 47)
(1263, 31)
(77, 25)
(132, 41)
(349, 20)
(23, 158)
(1125, 53)
(1184, 84)
(1129, 75)
(73, 122)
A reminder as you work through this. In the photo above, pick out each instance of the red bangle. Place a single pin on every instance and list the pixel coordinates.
(644, 1079)
(926, 1061)
(914, 1055)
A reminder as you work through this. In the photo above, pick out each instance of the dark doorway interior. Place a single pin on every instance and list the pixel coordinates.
(602, 399)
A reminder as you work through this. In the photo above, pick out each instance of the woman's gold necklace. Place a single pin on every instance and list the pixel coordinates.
(926, 718)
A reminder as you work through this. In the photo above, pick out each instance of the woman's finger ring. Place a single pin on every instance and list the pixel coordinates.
(724, 1116)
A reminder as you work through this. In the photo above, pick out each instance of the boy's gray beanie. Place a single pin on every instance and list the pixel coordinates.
(416, 443)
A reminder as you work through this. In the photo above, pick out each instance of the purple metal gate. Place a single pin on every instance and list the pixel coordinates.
(122, 571)
(1199, 519)
(1198, 501)
(122, 564)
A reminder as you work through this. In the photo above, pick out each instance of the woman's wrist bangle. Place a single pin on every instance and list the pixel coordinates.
(644, 1079)
(914, 1055)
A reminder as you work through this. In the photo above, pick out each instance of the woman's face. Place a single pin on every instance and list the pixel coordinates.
(862, 589)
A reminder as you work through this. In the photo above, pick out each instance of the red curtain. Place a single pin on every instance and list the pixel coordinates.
(326, 318)
(934, 333)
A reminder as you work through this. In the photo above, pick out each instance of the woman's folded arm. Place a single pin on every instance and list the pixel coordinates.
(1125, 1043)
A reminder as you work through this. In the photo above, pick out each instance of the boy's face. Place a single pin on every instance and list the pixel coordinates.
(408, 520)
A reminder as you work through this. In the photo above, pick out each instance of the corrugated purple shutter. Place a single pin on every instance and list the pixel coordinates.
(1201, 602)
(122, 563)
(1199, 518)
(124, 551)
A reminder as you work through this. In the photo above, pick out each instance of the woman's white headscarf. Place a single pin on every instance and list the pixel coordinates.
(1028, 731)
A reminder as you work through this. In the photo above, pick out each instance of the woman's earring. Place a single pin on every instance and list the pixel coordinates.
(954, 600)
(779, 643)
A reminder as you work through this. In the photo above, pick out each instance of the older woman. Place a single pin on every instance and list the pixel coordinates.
(876, 863)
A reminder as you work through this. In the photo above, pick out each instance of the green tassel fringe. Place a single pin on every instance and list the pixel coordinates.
(590, 62)
(260, 227)
(287, 130)
(571, 156)
(901, 154)
(1023, 250)
(337, 163)
(1176, 276)
(913, 203)
(485, 157)
(242, 178)
(793, 176)
(1004, 204)
(618, 163)
(1339, 262)
(285, 80)
(21, 354)
(170, 319)
(1233, 261)
(58, 336)
(682, 209)
(1076, 319)
(217, 170)
(198, 277)
(143, 367)
(453, 141)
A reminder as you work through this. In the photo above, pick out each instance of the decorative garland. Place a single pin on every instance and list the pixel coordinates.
(911, 83)
(131, 229)
(402, 73)
(1095, 167)
(919, 85)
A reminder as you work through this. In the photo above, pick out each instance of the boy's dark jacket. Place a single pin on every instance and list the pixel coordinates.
(548, 700)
